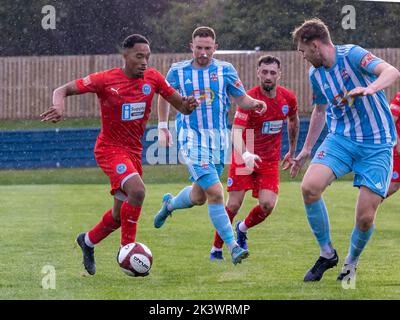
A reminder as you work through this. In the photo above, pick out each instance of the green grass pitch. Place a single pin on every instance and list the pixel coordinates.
(40, 222)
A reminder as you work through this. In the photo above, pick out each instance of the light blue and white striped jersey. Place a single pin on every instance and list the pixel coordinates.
(363, 119)
(203, 135)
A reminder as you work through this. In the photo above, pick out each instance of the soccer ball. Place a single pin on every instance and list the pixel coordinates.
(135, 259)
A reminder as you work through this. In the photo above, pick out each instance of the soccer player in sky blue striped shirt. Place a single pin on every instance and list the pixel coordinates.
(203, 137)
(347, 83)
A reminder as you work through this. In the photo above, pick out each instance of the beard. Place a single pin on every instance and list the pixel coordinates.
(202, 61)
(268, 87)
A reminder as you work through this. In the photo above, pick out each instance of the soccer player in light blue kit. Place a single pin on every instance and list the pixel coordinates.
(202, 137)
(347, 83)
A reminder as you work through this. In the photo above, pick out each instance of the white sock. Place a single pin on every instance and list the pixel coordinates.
(232, 245)
(87, 241)
(213, 249)
(243, 227)
(326, 251)
(351, 260)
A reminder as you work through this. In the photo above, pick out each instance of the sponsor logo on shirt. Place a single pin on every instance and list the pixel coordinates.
(121, 168)
(133, 111)
(285, 109)
(146, 89)
(367, 59)
(87, 81)
(272, 127)
(203, 95)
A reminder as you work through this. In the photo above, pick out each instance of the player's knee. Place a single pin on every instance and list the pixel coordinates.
(199, 200)
(310, 191)
(267, 207)
(365, 223)
(136, 197)
(233, 207)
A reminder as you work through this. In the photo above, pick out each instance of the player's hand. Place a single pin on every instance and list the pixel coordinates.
(260, 106)
(287, 161)
(165, 138)
(53, 114)
(189, 104)
(251, 160)
(361, 91)
(298, 162)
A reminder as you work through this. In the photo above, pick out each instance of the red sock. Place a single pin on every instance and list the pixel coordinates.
(103, 228)
(218, 242)
(129, 218)
(255, 216)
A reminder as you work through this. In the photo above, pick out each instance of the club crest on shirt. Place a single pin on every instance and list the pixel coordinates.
(321, 154)
(345, 75)
(146, 89)
(229, 182)
(121, 168)
(395, 175)
(285, 109)
(213, 76)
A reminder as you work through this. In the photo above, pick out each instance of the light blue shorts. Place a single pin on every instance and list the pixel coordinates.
(372, 164)
(206, 174)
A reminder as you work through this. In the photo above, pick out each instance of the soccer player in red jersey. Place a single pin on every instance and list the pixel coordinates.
(395, 109)
(256, 153)
(125, 96)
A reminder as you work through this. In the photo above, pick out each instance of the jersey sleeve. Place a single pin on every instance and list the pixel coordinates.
(395, 105)
(234, 85)
(172, 79)
(242, 117)
(91, 83)
(163, 86)
(317, 96)
(363, 59)
(292, 101)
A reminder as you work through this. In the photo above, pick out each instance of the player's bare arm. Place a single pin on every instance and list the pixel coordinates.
(317, 123)
(387, 75)
(164, 136)
(395, 118)
(246, 102)
(293, 134)
(55, 112)
(239, 147)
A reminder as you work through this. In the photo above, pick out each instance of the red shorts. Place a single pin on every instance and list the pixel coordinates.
(396, 166)
(119, 165)
(265, 177)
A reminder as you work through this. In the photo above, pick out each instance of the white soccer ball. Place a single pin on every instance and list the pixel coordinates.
(135, 259)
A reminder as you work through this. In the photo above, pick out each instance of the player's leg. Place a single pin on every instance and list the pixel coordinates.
(233, 204)
(366, 208)
(393, 188)
(188, 197)
(267, 201)
(131, 208)
(332, 160)
(372, 171)
(215, 195)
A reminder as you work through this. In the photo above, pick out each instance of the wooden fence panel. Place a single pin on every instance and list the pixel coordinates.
(27, 83)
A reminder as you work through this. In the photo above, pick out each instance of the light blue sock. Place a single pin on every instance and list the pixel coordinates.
(221, 223)
(182, 200)
(318, 219)
(358, 241)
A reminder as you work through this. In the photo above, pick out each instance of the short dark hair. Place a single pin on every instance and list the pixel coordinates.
(267, 59)
(204, 32)
(313, 29)
(131, 40)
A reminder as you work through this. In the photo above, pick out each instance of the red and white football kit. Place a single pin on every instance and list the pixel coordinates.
(395, 108)
(125, 108)
(264, 132)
